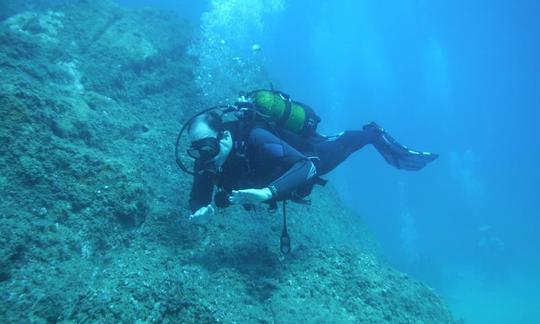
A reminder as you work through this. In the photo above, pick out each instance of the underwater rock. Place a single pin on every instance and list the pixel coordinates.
(9, 8)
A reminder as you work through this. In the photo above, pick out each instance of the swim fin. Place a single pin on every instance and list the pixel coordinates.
(397, 155)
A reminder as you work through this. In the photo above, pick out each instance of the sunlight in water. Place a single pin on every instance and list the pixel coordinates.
(228, 48)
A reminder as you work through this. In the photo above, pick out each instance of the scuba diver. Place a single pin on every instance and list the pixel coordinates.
(270, 152)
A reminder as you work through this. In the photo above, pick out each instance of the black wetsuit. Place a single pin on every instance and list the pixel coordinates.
(288, 164)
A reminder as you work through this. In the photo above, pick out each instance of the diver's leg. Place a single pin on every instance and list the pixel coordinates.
(335, 150)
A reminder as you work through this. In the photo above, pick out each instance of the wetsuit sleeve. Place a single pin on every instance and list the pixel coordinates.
(272, 150)
(201, 192)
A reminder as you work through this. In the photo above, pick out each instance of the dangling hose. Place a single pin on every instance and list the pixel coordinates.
(284, 240)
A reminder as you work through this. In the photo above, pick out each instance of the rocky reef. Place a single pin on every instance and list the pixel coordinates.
(93, 223)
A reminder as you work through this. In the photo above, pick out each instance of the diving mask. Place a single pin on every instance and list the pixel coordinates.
(205, 149)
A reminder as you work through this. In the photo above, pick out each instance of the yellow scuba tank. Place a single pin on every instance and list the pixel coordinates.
(277, 107)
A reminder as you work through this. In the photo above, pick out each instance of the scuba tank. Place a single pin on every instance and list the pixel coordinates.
(278, 108)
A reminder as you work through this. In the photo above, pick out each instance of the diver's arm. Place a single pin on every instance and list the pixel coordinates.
(299, 174)
(274, 150)
(201, 193)
(279, 188)
(250, 196)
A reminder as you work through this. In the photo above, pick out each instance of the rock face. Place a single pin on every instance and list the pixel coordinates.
(92, 215)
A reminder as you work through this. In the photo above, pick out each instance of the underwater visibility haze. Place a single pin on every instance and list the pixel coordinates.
(94, 217)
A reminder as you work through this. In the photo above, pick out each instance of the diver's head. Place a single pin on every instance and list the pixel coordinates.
(210, 143)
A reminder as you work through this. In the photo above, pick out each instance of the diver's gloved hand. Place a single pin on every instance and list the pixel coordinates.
(203, 212)
(250, 196)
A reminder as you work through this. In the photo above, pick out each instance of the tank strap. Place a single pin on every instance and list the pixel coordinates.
(283, 120)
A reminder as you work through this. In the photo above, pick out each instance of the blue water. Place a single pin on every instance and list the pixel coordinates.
(458, 78)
